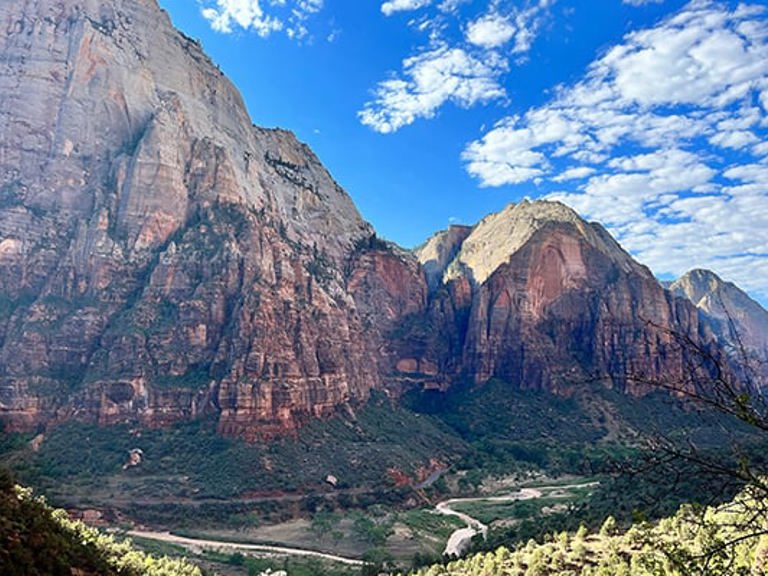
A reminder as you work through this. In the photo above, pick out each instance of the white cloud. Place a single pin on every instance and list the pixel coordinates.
(451, 6)
(641, 2)
(634, 95)
(737, 139)
(490, 31)
(664, 140)
(288, 16)
(392, 6)
(576, 173)
(465, 68)
(433, 78)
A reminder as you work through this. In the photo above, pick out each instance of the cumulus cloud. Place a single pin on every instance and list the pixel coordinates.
(490, 31)
(464, 67)
(433, 78)
(641, 2)
(262, 17)
(664, 140)
(392, 6)
(494, 29)
(690, 77)
(576, 173)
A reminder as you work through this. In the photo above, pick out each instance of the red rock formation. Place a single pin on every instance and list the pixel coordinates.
(160, 257)
(740, 323)
(554, 303)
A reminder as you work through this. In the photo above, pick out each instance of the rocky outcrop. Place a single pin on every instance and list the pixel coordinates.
(440, 250)
(160, 257)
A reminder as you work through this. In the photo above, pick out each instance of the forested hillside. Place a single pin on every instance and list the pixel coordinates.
(38, 540)
(728, 540)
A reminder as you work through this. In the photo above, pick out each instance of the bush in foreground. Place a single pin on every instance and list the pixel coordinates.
(38, 540)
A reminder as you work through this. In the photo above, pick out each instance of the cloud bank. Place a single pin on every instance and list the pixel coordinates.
(663, 140)
(261, 16)
(463, 63)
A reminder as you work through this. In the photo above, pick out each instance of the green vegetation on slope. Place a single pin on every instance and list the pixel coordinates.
(578, 434)
(716, 541)
(189, 473)
(190, 478)
(38, 540)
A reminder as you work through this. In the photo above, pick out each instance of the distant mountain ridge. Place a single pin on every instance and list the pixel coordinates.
(161, 258)
(497, 237)
(740, 322)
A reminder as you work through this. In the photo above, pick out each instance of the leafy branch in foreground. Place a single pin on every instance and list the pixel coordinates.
(727, 389)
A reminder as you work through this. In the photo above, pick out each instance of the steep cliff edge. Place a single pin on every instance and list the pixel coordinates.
(161, 257)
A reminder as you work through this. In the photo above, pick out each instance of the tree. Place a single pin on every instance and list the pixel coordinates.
(609, 527)
(727, 387)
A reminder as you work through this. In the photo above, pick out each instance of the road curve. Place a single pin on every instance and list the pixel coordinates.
(198, 544)
(460, 539)
(457, 543)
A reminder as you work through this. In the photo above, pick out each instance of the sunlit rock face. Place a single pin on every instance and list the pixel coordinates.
(740, 323)
(538, 297)
(160, 257)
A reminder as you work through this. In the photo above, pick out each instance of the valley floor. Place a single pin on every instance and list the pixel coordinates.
(405, 534)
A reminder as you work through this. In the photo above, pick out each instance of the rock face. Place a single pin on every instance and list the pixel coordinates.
(439, 251)
(539, 298)
(161, 257)
(740, 323)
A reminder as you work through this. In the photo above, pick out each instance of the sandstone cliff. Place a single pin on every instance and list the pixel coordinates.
(160, 256)
(538, 297)
(740, 323)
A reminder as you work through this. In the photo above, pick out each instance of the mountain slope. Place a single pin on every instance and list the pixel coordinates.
(539, 298)
(161, 258)
(35, 539)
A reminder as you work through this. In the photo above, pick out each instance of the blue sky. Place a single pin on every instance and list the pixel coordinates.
(649, 116)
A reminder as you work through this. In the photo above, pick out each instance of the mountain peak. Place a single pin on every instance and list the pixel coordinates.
(739, 320)
(498, 236)
(697, 285)
(158, 252)
(710, 292)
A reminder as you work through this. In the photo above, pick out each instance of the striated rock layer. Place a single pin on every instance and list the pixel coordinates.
(538, 297)
(161, 257)
(739, 322)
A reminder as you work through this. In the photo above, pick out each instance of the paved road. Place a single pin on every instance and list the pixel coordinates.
(199, 544)
(460, 540)
(457, 544)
